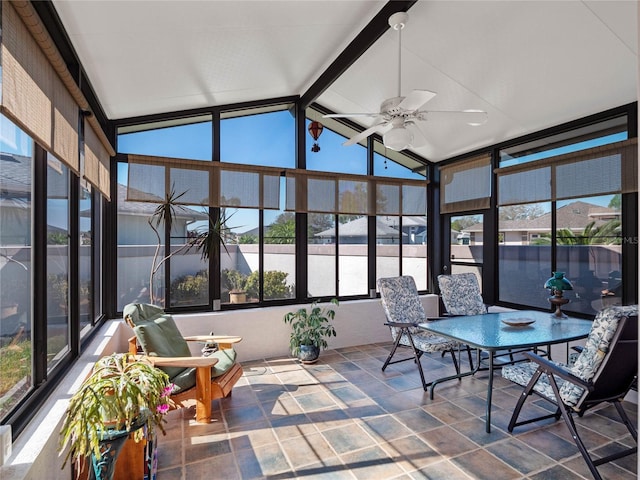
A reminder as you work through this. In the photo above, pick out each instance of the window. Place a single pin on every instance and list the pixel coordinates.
(580, 191)
(16, 265)
(589, 251)
(266, 139)
(334, 157)
(190, 138)
(57, 261)
(87, 241)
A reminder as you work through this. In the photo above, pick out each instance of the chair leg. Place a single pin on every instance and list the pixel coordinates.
(625, 418)
(523, 397)
(568, 419)
(393, 351)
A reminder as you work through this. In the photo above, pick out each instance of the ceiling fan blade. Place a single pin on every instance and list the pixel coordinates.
(416, 99)
(471, 117)
(364, 134)
(349, 115)
(419, 139)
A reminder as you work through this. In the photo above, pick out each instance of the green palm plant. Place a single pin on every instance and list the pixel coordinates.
(205, 241)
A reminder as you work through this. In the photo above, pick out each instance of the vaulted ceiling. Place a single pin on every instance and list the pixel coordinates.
(529, 64)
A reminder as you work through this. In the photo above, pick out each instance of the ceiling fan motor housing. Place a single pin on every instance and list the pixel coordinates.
(390, 106)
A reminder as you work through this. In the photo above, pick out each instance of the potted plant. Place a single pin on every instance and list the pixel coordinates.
(310, 329)
(237, 283)
(122, 395)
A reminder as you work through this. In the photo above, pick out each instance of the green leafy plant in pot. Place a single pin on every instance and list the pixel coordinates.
(122, 395)
(310, 328)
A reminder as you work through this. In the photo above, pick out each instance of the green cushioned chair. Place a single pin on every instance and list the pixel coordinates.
(202, 378)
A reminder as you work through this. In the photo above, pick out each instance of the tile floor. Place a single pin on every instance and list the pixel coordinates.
(343, 418)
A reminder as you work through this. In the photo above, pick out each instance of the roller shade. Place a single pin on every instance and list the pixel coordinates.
(199, 183)
(608, 169)
(466, 185)
(316, 192)
(96, 162)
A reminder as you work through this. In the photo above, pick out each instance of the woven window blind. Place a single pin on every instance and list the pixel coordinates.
(40, 95)
(466, 185)
(96, 161)
(199, 183)
(608, 169)
(315, 192)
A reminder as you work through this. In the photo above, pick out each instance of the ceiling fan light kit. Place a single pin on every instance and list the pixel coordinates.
(398, 113)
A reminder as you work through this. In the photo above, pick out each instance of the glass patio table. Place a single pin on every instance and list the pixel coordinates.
(490, 333)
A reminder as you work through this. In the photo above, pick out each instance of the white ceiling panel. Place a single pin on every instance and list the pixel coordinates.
(529, 64)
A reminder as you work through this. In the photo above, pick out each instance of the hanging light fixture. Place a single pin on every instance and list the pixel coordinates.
(315, 129)
(398, 138)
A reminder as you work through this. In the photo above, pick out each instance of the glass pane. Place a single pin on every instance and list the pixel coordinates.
(279, 255)
(334, 157)
(263, 139)
(57, 261)
(589, 251)
(414, 249)
(601, 133)
(466, 238)
(189, 271)
(137, 243)
(321, 255)
(242, 256)
(86, 259)
(524, 253)
(388, 244)
(385, 167)
(353, 254)
(16, 375)
(193, 139)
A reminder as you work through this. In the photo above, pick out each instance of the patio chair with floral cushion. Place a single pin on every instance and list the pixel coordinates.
(404, 311)
(460, 294)
(603, 372)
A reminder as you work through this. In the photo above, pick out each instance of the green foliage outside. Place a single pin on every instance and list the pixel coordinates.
(275, 285)
(248, 239)
(606, 234)
(57, 238)
(14, 368)
(191, 288)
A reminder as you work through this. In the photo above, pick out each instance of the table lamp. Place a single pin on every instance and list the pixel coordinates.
(557, 284)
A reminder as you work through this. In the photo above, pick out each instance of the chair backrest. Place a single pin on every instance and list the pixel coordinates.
(609, 358)
(460, 294)
(400, 300)
(157, 334)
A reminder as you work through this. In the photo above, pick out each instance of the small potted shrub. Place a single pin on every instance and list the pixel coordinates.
(310, 328)
(237, 283)
(122, 395)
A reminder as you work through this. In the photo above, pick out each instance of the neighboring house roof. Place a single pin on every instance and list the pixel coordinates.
(145, 209)
(359, 228)
(15, 176)
(575, 216)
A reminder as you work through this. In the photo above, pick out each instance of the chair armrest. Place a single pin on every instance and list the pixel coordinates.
(401, 324)
(187, 362)
(213, 339)
(551, 368)
(577, 348)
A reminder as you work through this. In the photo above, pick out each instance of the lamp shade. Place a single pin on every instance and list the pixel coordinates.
(398, 138)
(558, 283)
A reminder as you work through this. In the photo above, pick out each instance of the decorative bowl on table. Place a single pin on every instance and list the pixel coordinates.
(518, 322)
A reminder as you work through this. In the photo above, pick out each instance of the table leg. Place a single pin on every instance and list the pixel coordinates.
(489, 392)
(457, 376)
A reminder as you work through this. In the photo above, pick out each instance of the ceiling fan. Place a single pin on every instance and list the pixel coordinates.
(398, 116)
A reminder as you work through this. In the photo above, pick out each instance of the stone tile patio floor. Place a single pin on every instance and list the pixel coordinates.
(343, 418)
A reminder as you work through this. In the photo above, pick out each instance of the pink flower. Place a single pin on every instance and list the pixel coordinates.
(162, 409)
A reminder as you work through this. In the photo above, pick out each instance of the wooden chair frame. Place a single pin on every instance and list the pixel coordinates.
(206, 389)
